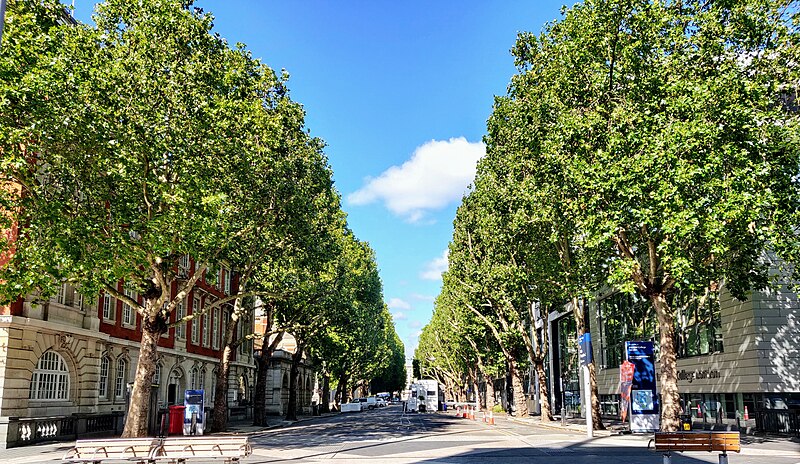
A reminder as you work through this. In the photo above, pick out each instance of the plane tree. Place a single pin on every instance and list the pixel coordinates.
(125, 161)
(673, 129)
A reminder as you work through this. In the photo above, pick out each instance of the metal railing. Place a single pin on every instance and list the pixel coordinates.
(778, 421)
(23, 431)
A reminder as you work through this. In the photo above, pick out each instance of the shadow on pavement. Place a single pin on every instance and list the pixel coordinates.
(381, 425)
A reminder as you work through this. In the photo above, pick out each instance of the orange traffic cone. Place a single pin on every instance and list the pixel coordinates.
(491, 418)
(746, 414)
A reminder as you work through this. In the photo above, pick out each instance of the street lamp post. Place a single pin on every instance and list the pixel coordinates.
(2, 18)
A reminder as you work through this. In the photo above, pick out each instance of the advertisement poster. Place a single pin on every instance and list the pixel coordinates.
(644, 395)
(625, 381)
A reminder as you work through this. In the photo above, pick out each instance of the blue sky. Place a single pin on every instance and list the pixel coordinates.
(400, 91)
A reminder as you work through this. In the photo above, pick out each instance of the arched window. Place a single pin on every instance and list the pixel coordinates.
(202, 382)
(193, 379)
(50, 378)
(122, 375)
(157, 375)
(105, 363)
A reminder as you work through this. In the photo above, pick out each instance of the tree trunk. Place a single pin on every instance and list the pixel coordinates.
(139, 406)
(219, 419)
(489, 392)
(580, 323)
(324, 403)
(260, 399)
(341, 391)
(597, 418)
(544, 394)
(520, 402)
(670, 398)
(262, 364)
(294, 373)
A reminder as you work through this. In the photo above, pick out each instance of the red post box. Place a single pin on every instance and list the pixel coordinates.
(176, 419)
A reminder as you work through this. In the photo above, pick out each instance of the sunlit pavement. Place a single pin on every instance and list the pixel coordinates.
(387, 436)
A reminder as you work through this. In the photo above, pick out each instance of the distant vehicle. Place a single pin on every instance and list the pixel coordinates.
(361, 401)
(426, 396)
(372, 402)
(380, 402)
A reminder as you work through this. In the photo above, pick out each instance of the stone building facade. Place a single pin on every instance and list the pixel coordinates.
(738, 362)
(66, 362)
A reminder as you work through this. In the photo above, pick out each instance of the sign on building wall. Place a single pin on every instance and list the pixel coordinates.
(644, 395)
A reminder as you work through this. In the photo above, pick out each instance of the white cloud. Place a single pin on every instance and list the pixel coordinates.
(421, 297)
(415, 324)
(397, 303)
(399, 316)
(433, 269)
(437, 174)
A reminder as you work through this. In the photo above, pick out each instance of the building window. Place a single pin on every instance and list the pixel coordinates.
(215, 328)
(109, 307)
(183, 265)
(226, 279)
(193, 378)
(122, 375)
(128, 317)
(195, 321)
(180, 327)
(50, 378)
(206, 328)
(699, 329)
(202, 383)
(157, 375)
(105, 363)
(624, 317)
(213, 386)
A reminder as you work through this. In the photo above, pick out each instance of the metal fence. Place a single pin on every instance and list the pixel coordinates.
(23, 431)
(778, 421)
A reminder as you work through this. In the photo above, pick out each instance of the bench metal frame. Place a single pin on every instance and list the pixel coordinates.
(114, 449)
(151, 450)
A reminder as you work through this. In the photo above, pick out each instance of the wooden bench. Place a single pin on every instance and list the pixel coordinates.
(115, 449)
(697, 441)
(181, 449)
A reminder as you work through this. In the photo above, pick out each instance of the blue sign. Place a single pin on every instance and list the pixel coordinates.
(586, 349)
(644, 396)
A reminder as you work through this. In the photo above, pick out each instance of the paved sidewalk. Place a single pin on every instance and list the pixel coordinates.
(751, 444)
(54, 451)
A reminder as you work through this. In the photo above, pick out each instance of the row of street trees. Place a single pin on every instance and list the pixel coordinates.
(145, 137)
(650, 147)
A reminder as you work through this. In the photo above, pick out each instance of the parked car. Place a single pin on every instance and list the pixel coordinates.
(380, 402)
(371, 401)
(361, 401)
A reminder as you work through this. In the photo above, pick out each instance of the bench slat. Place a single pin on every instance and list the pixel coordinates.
(698, 441)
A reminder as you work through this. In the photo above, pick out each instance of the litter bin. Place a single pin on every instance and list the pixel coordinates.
(686, 422)
(176, 419)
